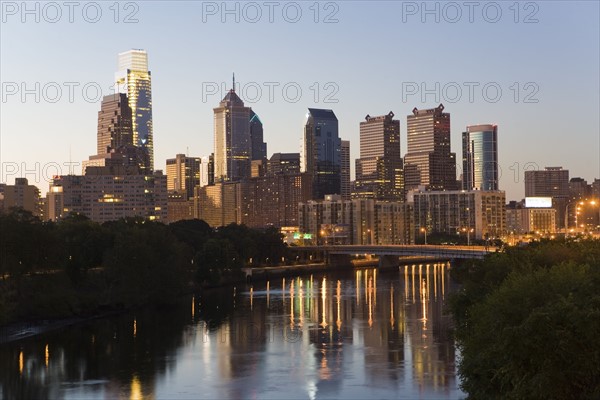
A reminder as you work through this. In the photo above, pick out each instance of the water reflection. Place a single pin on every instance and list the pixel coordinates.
(358, 334)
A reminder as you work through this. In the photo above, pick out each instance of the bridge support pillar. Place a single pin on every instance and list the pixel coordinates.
(339, 260)
(388, 261)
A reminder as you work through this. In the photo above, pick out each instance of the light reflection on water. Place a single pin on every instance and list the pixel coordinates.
(355, 334)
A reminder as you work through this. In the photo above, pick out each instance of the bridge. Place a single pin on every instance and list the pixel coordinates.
(389, 255)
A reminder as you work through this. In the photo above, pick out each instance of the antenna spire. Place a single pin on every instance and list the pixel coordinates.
(233, 88)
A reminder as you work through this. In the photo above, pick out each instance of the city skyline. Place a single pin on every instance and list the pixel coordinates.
(184, 124)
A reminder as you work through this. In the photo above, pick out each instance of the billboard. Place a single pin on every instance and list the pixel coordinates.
(538, 202)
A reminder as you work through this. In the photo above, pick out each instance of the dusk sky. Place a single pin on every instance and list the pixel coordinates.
(371, 61)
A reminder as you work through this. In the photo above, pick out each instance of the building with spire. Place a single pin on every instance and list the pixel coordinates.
(232, 140)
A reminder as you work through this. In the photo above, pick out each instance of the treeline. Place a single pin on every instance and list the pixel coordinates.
(77, 267)
(528, 322)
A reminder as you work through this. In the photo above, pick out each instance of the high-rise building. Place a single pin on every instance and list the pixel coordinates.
(104, 197)
(334, 220)
(134, 79)
(550, 182)
(345, 170)
(22, 195)
(284, 164)
(480, 214)
(114, 123)
(429, 161)
(183, 174)
(321, 152)
(259, 148)
(579, 188)
(480, 157)
(233, 146)
(379, 171)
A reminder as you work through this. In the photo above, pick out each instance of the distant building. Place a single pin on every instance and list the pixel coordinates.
(358, 221)
(103, 197)
(551, 182)
(379, 170)
(321, 152)
(429, 161)
(480, 157)
(579, 188)
(284, 164)
(521, 220)
(259, 148)
(219, 204)
(22, 195)
(134, 79)
(207, 170)
(183, 174)
(457, 211)
(233, 145)
(114, 124)
(345, 170)
(179, 207)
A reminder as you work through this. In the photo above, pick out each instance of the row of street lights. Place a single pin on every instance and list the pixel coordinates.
(467, 230)
(580, 205)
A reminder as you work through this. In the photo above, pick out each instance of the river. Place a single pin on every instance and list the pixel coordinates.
(353, 334)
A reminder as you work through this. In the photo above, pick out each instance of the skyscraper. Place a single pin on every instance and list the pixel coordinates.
(134, 79)
(114, 123)
(259, 148)
(428, 160)
(233, 146)
(345, 170)
(321, 152)
(480, 157)
(379, 172)
(183, 174)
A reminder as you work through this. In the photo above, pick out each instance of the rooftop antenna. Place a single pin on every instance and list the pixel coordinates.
(187, 151)
(233, 88)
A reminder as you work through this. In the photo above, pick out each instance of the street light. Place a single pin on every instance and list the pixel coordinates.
(424, 230)
(468, 230)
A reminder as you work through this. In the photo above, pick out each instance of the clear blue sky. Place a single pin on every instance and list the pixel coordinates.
(373, 52)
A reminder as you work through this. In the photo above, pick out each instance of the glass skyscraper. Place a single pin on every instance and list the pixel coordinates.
(480, 157)
(321, 152)
(259, 148)
(134, 79)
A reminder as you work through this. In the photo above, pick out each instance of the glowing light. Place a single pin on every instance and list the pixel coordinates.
(21, 362)
(136, 389)
(47, 355)
(134, 327)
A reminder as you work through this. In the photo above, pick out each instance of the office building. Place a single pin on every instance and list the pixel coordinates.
(102, 197)
(455, 212)
(233, 145)
(523, 220)
(135, 80)
(183, 174)
(379, 170)
(284, 164)
(551, 182)
(259, 148)
(345, 170)
(334, 220)
(114, 123)
(321, 152)
(429, 161)
(22, 195)
(480, 157)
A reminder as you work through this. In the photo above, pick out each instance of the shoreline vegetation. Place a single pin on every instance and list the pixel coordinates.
(78, 269)
(528, 322)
